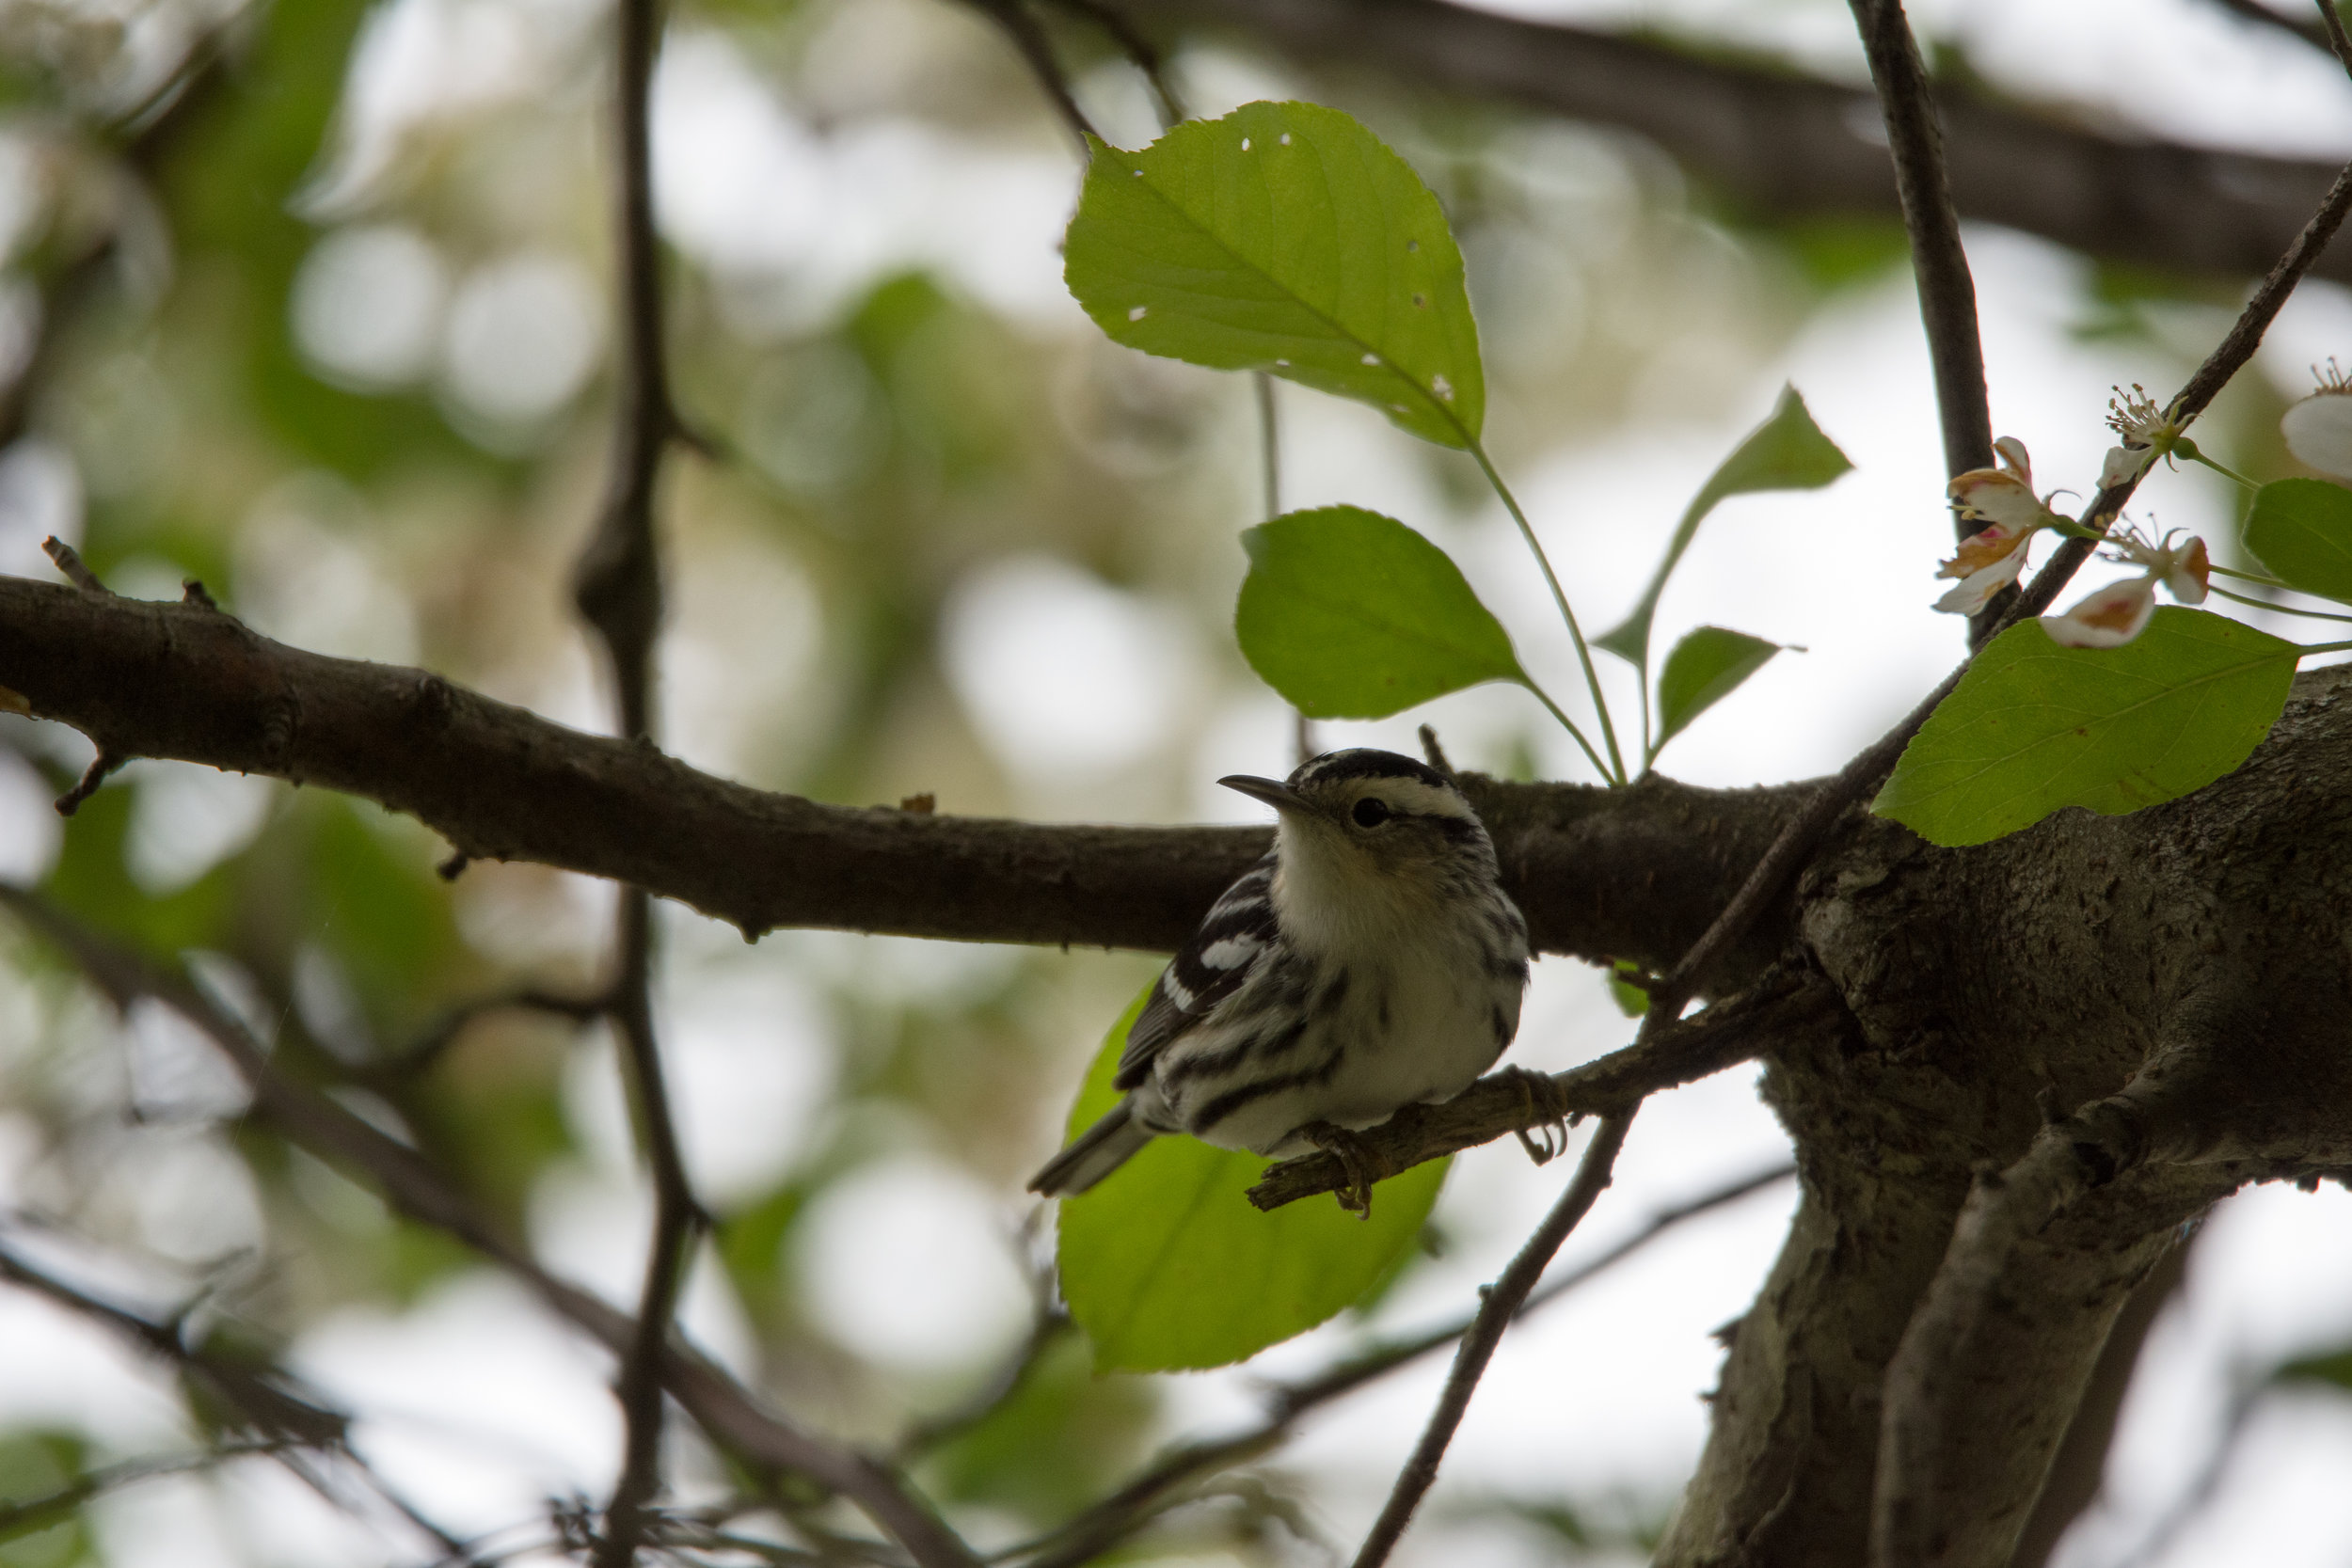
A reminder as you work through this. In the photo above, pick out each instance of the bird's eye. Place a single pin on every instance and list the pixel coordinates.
(1370, 812)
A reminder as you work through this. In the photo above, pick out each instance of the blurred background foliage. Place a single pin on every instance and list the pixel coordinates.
(306, 301)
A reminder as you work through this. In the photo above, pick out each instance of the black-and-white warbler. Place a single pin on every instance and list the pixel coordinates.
(1369, 961)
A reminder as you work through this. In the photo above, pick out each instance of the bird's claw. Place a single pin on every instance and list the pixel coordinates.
(1544, 1114)
(1355, 1159)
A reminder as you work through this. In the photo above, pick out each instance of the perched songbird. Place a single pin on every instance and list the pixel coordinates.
(1371, 961)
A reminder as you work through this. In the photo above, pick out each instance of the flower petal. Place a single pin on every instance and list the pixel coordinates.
(1997, 495)
(1980, 550)
(2106, 617)
(2011, 454)
(2124, 465)
(1978, 590)
(2319, 432)
(2187, 571)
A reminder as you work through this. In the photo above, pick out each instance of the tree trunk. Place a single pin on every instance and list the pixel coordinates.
(2179, 980)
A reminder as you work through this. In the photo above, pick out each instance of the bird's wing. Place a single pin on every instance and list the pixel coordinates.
(1236, 931)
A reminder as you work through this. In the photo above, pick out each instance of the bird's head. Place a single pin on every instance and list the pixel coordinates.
(1373, 831)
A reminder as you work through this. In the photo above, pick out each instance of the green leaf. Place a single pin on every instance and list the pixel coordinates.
(1787, 452)
(1350, 615)
(1289, 239)
(2333, 1369)
(2034, 727)
(2302, 530)
(1168, 1267)
(1631, 998)
(1704, 669)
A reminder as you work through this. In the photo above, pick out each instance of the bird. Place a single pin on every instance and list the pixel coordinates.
(1370, 960)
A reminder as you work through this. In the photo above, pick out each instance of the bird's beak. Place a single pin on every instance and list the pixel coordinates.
(1273, 792)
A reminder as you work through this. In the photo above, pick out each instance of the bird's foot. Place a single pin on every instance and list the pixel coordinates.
(1545, 1115)
(1355, 1159)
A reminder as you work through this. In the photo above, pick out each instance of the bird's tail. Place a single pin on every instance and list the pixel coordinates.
(1096, 1152)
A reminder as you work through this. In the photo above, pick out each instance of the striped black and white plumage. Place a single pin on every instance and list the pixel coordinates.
(1370, 960)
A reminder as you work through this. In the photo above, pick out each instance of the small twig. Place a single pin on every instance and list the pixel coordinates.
(1796, 842)
(2332, 22)
(620, 592)
(1037, 50)
(2262, 15)
(420, 1053)
(676, 1218)
(1044, 1333)
(1729, 1032)
(1140, 51)
(1947, 296)
(1135, 1504)
(53, 1508)
(1503, 1302)
(102, 763)
(1434, 753)
(76, 571)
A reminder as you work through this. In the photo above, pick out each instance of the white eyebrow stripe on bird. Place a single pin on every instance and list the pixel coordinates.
(1416, 799)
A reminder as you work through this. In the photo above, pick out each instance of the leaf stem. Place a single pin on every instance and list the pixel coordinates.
(2282, 608)
(1569, 725)
(2188, 449)
(1616, 770)
(2310, 649)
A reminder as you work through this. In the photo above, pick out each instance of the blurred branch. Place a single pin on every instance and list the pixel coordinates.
(1048, 1329)
(618, 587)
(258, 1395)
(1133, 1505)
(1785, 145)
(143, 136)
(2262, 15)
(1018, 24)
(236, 1389)
(1501, 1303)
(1138, 50)
(420, 1053)
(54, 1508)
(730, 1413)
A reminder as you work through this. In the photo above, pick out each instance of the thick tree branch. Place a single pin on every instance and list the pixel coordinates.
(1787, 146)
(2018, 1301)
(1632, 873)
(2080, 1465)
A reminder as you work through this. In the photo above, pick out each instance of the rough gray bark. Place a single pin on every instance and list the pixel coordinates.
(2184, 977)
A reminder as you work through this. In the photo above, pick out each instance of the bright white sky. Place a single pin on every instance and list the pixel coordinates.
(1603, 1390)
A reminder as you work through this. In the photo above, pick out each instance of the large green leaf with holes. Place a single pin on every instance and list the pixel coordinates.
(1167, 1266)
(1285, 238)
